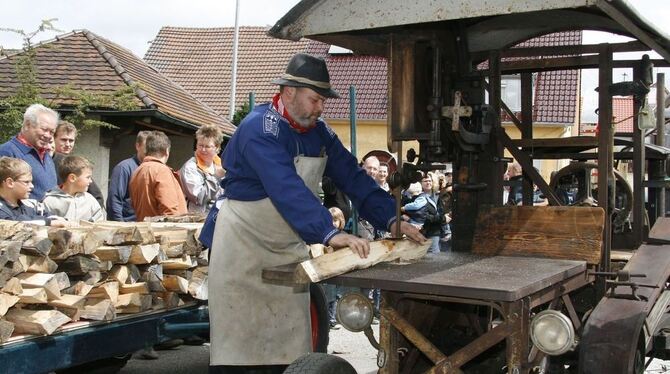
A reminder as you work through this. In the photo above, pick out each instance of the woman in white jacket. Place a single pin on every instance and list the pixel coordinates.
(201, 175)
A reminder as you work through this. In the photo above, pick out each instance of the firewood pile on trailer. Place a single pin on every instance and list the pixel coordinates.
(50, 277)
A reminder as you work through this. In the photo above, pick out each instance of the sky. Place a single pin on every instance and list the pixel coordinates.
(133, 24)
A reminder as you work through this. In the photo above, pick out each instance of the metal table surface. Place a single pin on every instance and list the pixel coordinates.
(460, 274)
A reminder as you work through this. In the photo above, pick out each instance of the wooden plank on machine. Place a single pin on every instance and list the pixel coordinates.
(36, 322)
(568, 233)
(344, 260)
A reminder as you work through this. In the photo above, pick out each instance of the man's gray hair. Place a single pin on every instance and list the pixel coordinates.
(30, 116)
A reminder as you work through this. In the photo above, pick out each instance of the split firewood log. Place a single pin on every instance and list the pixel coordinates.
(7, 301)
(36, 322)
(98, 310)
(6, 330)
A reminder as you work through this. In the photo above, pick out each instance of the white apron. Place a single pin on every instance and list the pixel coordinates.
(253, 322)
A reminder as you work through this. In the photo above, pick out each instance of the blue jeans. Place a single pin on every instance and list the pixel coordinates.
(434, 245)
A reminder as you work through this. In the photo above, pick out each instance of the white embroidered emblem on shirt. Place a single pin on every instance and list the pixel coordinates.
(330, 131)
(271, 123)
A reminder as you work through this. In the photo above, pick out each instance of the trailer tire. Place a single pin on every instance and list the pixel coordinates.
(318, 363)
(111, 365)
(319, 318)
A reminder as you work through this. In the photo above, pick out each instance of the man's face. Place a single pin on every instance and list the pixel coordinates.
(383, 173)
(139, 148)
(371, 167)
(40, 134)
(303, 104)
(64, 142)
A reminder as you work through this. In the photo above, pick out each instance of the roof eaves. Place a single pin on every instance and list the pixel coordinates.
(109, 57)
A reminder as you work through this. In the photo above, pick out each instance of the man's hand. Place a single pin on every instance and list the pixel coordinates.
(409, 230)
(359, 246)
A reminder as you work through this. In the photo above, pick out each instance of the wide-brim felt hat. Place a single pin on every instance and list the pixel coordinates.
(307, 71)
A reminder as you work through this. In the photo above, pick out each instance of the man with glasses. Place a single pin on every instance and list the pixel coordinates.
(31, 145)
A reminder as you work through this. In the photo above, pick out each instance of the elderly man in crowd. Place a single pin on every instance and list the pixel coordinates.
(119, 207)
(31, 145)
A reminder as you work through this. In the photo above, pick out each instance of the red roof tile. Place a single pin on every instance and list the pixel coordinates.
(200, 60)
(89, 62)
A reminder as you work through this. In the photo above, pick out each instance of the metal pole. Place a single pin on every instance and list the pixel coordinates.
(252, 101)
(352, 129)
(660, 134)
(233, 78)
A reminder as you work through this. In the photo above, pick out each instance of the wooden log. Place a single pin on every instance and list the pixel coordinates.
(170, 300)
(144, 254)
(79, 288)
(33, 296)
(125, 274)
(79, 265)
(62, 279)
(185, 262)
(133, 303)
(203, 258)
(98, 310)
(6, 330)
(9, 251)
(123, 235)
(139, 287)
(569, 233)
(144, 228)
(173, 250)
(37, 264)
(344, 260)
(11, 228)
(72, 241)
(74, 314)
(13, 287)
(69, 301)
(91, 278)
(175, 283)
(107, 290)
(105, 266)
(39, 280)
(7, 301)
(197, 284)
(184, 273)
(175, 235)
(37, 246)
(116, 254)
(153, 275)
(36, 322)
(8, 271)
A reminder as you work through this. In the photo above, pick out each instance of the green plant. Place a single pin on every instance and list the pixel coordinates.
(240, 114)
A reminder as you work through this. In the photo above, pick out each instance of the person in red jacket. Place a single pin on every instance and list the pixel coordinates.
(154, 187)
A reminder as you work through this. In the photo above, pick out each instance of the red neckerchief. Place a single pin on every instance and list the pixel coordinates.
(40, 151)
(279, 107)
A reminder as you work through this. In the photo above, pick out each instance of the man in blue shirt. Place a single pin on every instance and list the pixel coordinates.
(274, 163)
(30, 145)
(119, 206)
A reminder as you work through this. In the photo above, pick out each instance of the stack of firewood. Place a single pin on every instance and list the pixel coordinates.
(51, 276)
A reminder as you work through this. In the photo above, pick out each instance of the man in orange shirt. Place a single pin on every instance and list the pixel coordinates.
(154, 188)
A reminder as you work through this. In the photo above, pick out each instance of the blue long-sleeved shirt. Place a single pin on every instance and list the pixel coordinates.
(119, 206)
(44, 171)
(259, 163)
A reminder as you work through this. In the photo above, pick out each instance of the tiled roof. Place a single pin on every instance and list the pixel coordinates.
(556, 91)
(366, 73)
(89, 62)
(622, 113)
(200, 60)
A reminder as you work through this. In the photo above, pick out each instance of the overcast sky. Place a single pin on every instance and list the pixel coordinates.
(133, 24)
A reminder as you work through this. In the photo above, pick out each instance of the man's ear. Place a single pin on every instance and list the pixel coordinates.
(71, 177)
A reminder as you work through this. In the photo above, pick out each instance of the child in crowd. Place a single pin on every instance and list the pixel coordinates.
(71, 200)
(16, 182)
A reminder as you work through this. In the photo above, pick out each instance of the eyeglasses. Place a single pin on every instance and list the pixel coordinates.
(205, 146)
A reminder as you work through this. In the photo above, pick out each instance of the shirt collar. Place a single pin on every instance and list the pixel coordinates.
(278, 105)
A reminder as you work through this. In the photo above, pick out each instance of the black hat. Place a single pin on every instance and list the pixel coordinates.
(307, 71)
